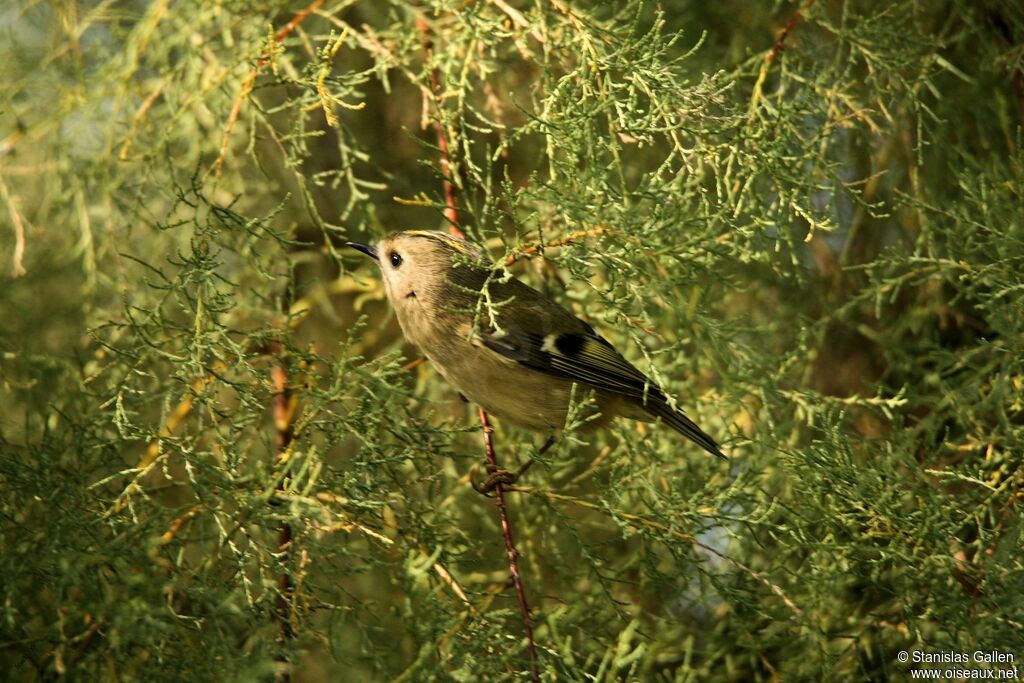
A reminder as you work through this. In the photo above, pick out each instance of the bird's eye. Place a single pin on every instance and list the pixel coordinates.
(396, 259)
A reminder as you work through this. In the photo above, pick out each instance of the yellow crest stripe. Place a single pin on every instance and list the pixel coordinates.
(453, 242)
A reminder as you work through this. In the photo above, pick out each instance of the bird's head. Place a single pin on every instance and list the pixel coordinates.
(415, 264)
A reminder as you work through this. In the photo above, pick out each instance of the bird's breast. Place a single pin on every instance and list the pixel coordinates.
(502, 387)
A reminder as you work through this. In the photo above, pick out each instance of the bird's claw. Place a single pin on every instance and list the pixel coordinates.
(494, 479)
(499, 477)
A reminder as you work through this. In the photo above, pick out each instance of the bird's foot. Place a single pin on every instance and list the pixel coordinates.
(499, 477)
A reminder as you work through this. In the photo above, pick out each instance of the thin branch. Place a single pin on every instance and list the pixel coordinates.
(1018, 87)
(349, 525)
(250, 80)
(144, 108)
(413, 364)
(489, 596)
(777, 47)
(568, 239)
(518, 19)
(19, 229)
(451, 212)
(172, 531)
(510, 548)
(284, 413)
(780, 41)
(167, 430)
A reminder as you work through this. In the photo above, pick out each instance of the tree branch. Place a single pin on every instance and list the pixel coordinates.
(510, 548)
(284, 412)
(451, 212)
(19, 230)
(250, 80)
(780, 41)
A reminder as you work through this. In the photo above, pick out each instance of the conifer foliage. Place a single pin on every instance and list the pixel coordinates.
(220, 461)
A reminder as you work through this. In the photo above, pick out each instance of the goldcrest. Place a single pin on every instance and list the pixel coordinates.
(505, 346)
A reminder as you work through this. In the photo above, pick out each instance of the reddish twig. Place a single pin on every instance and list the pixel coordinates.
(510, 547)
(413, 364)
(568, 239)
(451, 211)
(780, 42)
(769, 57)
(250, 80)
(284, 412)
(291, 25)
(147, 104)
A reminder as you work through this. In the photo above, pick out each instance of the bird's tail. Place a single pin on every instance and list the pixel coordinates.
(684, 425)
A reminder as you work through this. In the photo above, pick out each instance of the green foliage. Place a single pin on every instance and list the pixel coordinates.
(805, 221)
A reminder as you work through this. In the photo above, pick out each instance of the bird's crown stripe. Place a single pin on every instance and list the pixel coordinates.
(456, 244)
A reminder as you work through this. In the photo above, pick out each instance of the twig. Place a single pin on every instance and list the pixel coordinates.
(284, 412)
(568, 239)
(510, 547)
(177, 416)
(19, 229)
(174, 420)
(489, 596)
(777, 47)
(146, 105)
(518, 19)
(451, 212)
(780, 41)
(176, 526)
(327, 100)
(349, 525)
(853, 236)
(250, 80)
(413, 364)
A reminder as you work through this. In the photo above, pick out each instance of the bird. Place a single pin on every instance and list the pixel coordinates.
(507, 347)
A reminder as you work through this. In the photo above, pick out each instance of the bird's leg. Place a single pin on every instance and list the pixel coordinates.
(500, 476)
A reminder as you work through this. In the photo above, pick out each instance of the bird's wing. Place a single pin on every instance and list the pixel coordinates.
(581, 356)
(531, 329)
(592, 361)
(549, 339)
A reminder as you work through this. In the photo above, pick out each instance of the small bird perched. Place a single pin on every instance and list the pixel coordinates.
(505, 346)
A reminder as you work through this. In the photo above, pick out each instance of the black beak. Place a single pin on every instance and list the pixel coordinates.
(366, 249)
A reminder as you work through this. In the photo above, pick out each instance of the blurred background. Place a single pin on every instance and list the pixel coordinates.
(220, 460)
